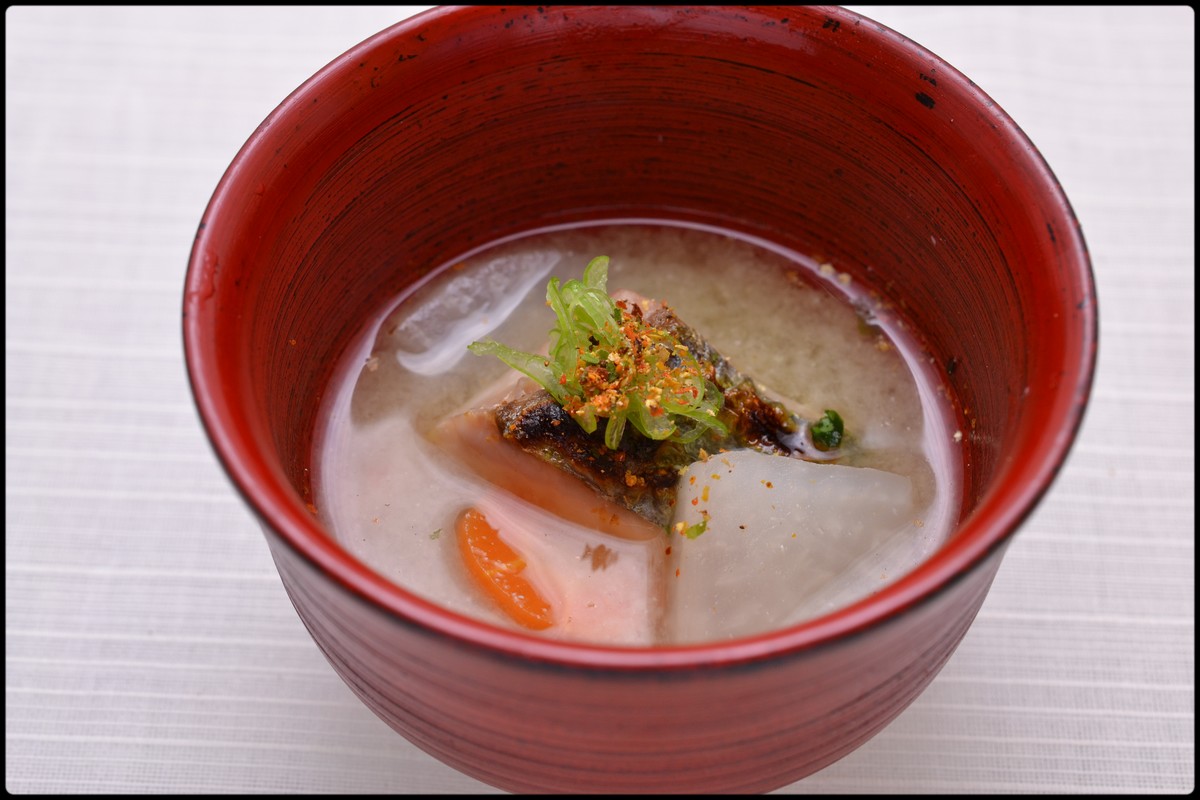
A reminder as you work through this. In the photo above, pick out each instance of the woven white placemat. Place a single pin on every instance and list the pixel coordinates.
(149, 645)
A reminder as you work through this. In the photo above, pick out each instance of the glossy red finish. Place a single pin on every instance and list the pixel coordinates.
(814, 128)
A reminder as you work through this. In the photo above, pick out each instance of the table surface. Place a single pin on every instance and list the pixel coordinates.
(149, 644)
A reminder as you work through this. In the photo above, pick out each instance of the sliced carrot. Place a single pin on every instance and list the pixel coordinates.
(497, 568)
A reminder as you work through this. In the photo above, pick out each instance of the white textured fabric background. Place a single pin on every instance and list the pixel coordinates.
(149, 645)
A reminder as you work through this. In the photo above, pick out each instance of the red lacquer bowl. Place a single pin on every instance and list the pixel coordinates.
(813, 128)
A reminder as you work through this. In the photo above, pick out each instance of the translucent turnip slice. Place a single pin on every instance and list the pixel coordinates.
(783, 540)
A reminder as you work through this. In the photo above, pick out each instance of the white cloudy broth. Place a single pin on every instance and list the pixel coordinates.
(806, 333)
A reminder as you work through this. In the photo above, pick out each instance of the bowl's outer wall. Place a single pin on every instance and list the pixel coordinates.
(812, 128)
(527, 726)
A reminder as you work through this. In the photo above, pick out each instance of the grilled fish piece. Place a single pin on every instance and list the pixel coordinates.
(642, 473)
(473, 439)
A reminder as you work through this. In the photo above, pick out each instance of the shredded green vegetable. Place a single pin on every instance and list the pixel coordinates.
(605, 362)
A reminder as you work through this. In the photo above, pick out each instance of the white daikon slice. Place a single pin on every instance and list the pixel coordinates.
(784, 540)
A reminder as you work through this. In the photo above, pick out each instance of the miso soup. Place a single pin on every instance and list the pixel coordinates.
(413, 475)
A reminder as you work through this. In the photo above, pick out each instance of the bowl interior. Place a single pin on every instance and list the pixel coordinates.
(815, 129)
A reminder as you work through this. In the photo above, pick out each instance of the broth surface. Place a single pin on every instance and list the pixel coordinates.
(801, 330)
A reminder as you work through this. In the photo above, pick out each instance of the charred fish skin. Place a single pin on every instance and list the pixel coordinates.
(642, 473)
(721, 372)
(752, 419)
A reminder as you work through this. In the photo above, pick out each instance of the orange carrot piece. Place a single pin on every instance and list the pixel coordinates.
(496, 567)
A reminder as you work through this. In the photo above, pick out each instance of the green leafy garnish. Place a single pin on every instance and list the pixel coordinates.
(827, 432)
(692, 531)
(605, 362)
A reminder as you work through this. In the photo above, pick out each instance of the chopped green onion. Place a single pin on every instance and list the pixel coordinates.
(827, 432)
(604, 362)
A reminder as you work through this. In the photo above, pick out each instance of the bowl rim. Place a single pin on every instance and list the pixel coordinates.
(989, 527)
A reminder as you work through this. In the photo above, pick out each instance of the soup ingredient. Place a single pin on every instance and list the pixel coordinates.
(605, 362)
(828, 430)
(497, 569)
(473, 440)
(430, 338)
(749, 416)
(596, 587)
(785, 540)
(631, 359)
